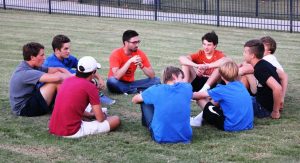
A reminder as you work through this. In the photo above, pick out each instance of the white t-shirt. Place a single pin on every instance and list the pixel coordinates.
(272, 59)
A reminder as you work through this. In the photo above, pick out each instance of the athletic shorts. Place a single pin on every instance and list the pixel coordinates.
(259, 111)
(214, 116)
(198, 83)
(91, 128)
(36, 105)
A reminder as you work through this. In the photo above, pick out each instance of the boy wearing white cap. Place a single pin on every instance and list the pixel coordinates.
(66, 119)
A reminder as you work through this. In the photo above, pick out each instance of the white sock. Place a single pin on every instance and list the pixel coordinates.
(88, 108)
(197, 121)
(199, 117)
(204, 88)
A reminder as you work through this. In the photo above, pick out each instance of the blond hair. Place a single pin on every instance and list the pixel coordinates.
(229, 71)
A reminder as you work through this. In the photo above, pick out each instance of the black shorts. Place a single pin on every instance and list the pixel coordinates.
(198, 83)
(36, 105)
(214, 116)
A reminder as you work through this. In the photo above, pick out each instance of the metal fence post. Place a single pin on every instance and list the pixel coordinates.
(49, 7)
(256, 8)
(218, 13)
(291, 16)
(204, 4)
(99, 8)
(156, 8)
(4, 5)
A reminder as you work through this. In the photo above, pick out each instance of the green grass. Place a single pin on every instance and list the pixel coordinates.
(24, 139)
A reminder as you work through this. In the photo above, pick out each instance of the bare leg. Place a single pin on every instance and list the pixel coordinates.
(249, 82)
(48, 91)
(197, 121)
(189, 73)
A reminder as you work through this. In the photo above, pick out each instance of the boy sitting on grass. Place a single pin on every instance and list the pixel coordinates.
(231, 106)
(166, 108)
(73, 96)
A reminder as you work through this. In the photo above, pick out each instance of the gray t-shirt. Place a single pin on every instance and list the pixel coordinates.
(22, 83)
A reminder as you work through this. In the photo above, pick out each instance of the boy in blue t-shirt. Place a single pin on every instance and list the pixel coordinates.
(231, 106)
(61, 57)
(166, 108)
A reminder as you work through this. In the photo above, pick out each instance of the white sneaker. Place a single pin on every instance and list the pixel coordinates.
(195, 122)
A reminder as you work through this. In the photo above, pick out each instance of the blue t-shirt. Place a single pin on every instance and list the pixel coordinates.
(171, 119)
(69, 63)
(236, 104)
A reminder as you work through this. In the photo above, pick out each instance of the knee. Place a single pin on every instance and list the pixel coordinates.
(112, 80)
(156, 80)
(114, 122)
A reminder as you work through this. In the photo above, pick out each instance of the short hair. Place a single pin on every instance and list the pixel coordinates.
(256, 47)
(84, 75)
(58, 41)
(31, 49)
(229, 71)
(211, 37)
(127, 35)
(270, 43)
(169, 71)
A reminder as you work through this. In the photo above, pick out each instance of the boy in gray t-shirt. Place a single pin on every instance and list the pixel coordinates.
(27, 97)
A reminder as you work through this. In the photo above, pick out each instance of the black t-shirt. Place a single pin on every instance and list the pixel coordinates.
(262, 71)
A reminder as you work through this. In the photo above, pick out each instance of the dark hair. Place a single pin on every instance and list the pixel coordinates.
(256, 47)
(58, 41)
(31, 49)
(211, 37)
(84, 75)
(270, 43)
(169, 71)
(127, 35)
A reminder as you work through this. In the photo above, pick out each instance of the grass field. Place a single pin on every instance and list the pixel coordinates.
(24, 139)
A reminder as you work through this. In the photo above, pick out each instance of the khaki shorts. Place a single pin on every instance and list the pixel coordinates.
(91, 128)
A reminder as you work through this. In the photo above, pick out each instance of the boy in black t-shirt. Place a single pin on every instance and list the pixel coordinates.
(269, 91)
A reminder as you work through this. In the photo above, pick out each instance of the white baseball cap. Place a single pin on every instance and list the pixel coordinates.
(87, 64)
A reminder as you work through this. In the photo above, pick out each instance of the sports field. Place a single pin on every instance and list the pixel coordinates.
(24, 139)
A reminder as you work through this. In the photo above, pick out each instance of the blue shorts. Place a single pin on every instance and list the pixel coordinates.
(36, 105)
(259, 111)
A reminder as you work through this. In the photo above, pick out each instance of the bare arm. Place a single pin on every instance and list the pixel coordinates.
(200, 95)
(284, 82)
(187, 61)
(99, 115)
(277, 96)
(137, 99)
(148, 71)
(52, 70)
(55, 77)
(218, 62)
(101, 84)
(245, 68)
(119, 72)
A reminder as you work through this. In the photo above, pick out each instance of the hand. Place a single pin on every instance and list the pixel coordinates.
(135, 59)
(201, 69)
(275, 114)
(101, 85)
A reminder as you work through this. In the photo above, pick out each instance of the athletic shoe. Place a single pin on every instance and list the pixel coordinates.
(106, 100)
